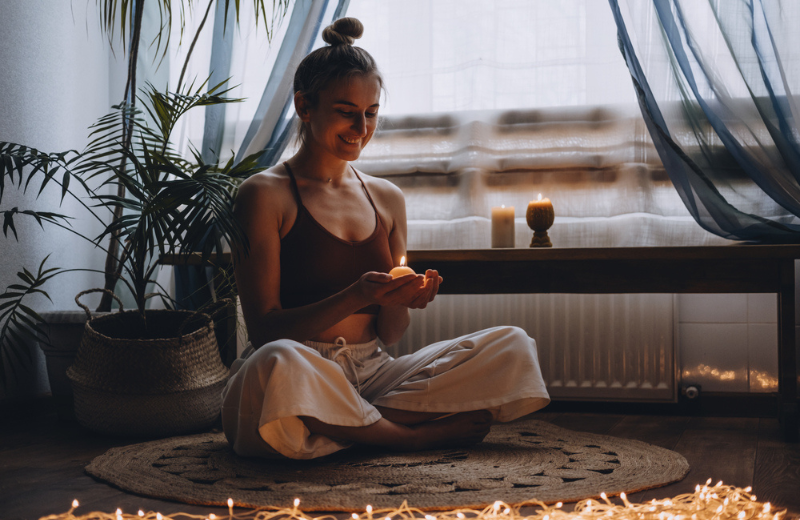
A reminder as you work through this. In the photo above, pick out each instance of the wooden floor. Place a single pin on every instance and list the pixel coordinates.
(42, 460)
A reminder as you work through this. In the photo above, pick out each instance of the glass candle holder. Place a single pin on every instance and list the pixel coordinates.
(540, 217)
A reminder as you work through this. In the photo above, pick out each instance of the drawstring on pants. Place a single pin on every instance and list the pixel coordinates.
(352, 363)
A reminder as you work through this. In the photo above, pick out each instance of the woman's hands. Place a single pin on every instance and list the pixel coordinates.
(430, 289)
(414, 291)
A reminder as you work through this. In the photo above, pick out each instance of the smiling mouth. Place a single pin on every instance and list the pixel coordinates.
(350, 141)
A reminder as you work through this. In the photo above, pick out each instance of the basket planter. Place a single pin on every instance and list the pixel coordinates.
(64, 331)
(168, 382)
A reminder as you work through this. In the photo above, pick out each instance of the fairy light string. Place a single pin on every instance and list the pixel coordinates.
(718, 502)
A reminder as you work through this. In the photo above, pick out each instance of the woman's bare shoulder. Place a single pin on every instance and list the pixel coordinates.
(271, 186)
(383, 189)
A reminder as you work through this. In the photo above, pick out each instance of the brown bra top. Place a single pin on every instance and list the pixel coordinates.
(316, 264)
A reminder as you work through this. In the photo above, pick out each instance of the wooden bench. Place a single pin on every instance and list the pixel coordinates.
(708, 269)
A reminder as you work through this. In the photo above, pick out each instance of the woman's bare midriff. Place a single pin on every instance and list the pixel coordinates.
(356, 328)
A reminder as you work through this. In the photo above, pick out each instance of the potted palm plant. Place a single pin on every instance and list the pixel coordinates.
(170, 204)
(163, 202)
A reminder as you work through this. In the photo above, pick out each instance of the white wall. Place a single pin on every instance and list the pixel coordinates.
(57, 76)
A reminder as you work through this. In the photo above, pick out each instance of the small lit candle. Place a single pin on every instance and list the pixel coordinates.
(402, 269)
(540, 216)
(503, 226)
(540, 213)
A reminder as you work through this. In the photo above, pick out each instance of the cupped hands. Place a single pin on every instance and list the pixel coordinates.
(414, 291)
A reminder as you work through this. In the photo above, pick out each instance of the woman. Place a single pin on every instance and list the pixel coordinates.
(316, 297)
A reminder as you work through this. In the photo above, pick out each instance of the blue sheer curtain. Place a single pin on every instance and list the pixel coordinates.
(716, 82)
(271, 127)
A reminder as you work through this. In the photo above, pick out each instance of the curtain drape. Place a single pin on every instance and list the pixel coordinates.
(491, 103)
(715, 82)
(271, 123)
(271, 126)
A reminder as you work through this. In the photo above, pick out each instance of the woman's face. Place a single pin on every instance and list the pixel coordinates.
(344, 118)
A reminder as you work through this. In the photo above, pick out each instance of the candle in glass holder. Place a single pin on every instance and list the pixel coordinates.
(540, 217)
(402, 269)
(503, 226)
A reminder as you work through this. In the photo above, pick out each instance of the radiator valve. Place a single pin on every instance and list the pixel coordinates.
(691, 392)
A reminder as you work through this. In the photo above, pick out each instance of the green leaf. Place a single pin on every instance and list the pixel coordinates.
(31, 328)
(32, 313)
(8, 222)
(25, 276)
(65, 184)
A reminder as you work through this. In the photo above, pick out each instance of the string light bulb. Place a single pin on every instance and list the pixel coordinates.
(724, 503)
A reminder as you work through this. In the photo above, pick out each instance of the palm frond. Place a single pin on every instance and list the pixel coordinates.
(22, 324)
(102, 156)
(167, 108)
(14, 158)
(39, 216)
(278, 9)
(116, 17)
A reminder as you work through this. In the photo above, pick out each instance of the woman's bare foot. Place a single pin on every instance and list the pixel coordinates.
(462, 429)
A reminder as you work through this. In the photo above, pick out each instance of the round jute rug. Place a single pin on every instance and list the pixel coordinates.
(515, 463)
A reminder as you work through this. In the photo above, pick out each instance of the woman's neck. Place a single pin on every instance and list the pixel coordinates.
(318, 167)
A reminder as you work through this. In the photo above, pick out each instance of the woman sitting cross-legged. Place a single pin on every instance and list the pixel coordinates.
(316, 298)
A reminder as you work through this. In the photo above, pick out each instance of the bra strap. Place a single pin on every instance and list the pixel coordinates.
(364, 186)
(378, 219)
(295, 189)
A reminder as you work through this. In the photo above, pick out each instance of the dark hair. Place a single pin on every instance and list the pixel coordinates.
(338, 60)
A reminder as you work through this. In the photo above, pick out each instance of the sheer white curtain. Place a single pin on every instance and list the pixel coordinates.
(490, 103)
(456, 55)
(252, 59)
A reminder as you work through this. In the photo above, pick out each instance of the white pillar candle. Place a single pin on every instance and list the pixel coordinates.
(503, 226)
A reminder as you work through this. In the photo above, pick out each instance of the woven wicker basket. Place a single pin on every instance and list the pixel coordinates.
(167, 383)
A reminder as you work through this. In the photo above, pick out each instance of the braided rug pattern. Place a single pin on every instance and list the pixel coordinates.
(517, 462)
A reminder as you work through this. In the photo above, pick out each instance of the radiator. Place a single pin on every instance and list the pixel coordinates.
(591, 347)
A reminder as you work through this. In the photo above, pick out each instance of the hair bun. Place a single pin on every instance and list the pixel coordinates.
(343, 31)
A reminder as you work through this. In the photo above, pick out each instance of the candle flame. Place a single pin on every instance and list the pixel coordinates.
(402, 261)
(540, 197)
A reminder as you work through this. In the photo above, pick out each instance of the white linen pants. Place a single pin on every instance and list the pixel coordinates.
(496, 369)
